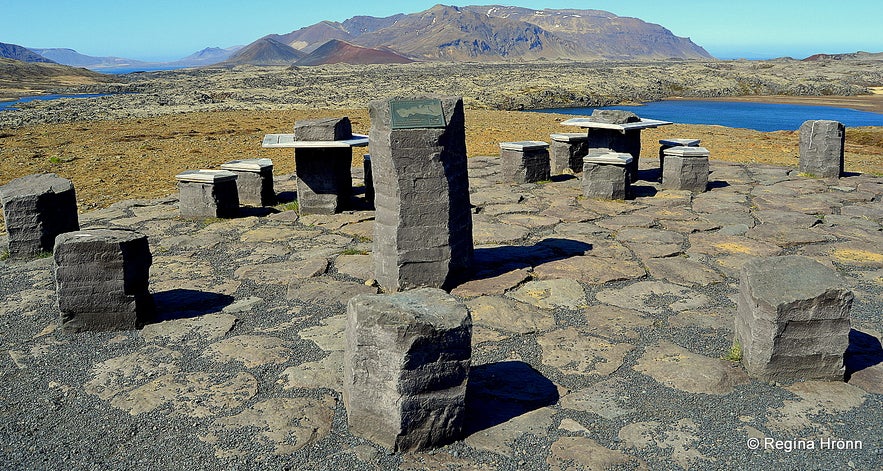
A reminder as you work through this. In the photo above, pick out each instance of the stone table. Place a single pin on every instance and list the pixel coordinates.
(323, 172)
(618, 137)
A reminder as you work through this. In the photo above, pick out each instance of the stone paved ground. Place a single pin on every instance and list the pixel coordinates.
(600, 329)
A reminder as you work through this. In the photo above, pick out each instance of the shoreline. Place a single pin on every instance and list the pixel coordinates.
(872, 103)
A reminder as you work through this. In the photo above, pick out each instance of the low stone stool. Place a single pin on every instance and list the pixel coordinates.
(686, 169)
(406, 363)
(821, 148)
(793, 319)
(605, 175)
(208, 194)
(567, 152)
(254, 181)
(525, 161)
(101, 279)
(37, 208)
(668, 144)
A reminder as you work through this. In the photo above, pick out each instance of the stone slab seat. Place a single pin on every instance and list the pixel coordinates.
(792, 319)
(208, 193)
(525, 161)
(37, 208)
(254, 181)
(567, 151)
(101, 279)
(686, 169)
(406, 364)
(605, 175)
(673, 142)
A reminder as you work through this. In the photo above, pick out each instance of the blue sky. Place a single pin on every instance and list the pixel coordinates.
(168, 30)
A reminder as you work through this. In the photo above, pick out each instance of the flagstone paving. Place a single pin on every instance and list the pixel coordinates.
(600, 329)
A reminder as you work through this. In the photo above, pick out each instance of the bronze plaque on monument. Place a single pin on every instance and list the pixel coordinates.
(415, 114)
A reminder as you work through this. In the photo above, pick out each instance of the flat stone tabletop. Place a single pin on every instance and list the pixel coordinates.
(287, 141)
(569, 136)
(616, 158)
(593, 124)
(205, 176)
(523, 145)
(679, 142)
(247, 165)
(684, 151)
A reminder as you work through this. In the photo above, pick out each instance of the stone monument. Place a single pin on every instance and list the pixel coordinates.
(821, 148)
(406, 365)
(37, 208)
(793, 319)
(101, 278)
(423, 219)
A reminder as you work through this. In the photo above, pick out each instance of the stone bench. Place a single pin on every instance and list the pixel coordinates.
(821, 148)
(686, 169)
(406, 363)
(567, 152)
(254, 181)
(101, 279)
(793, 319)
(208, 194)
(606, 175)
(668, 144)
(525, 161)
(37, 208)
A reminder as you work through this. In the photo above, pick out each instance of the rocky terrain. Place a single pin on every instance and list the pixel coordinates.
(602, 335)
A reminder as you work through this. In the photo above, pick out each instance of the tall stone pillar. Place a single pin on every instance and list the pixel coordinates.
(821, 148)
(423, 219)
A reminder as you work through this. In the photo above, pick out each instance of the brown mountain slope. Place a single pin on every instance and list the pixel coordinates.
(336, 52)
(18, 79)
(493, 33)
(264, 51)
(603, 33)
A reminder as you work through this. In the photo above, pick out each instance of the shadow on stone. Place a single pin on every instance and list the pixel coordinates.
(499, 392)
(850, 174)
(864, 351)
(186, 303)
(641, 191)
(650, 175)
(712, 185)
(494, 261)
(247, 211)
(562, 178)
(286, 197)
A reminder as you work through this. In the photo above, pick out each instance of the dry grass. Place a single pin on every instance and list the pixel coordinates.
(110, 161)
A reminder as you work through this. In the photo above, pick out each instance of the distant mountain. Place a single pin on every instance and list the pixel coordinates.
(74, 58)
(265, 51)
(493, 33)
(21, 53)
(207, 56)
(337, 51)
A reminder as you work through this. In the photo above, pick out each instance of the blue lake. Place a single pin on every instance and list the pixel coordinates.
(11, 105)
(759, 116)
